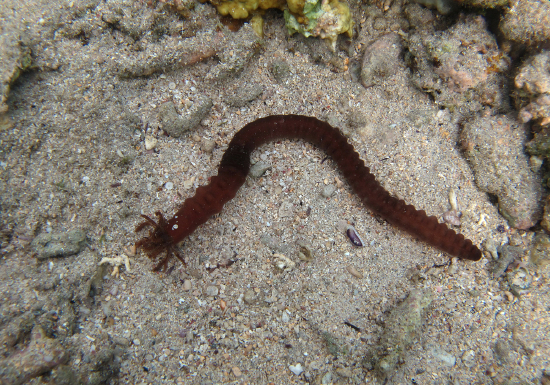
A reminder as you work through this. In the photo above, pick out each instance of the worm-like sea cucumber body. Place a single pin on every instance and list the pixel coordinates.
(235, 164)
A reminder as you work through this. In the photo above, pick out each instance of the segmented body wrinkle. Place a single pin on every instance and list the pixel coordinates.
(235, 164)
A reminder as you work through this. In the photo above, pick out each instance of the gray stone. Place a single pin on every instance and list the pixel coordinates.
(494, 147)
(59, 245)
(507, 255)
(446, 358)
(280, 70)
(212, 291)
(243, 94)
(258, 169)
(381, 59)
(502, 350)
(177, 125)
(328, 190)
(250, 296)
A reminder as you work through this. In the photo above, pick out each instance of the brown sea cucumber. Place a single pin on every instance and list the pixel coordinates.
(234, 167)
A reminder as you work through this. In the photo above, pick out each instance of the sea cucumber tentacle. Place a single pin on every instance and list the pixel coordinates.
(234, 167)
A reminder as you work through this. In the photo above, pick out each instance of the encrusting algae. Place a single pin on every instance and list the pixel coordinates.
(318, 18)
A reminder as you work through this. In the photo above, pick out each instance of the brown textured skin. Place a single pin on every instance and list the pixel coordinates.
(234, 167)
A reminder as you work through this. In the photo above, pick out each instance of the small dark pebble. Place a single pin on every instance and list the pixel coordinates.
(354, 237)
(501, 229)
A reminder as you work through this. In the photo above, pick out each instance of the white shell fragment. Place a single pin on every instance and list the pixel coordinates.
(116, 262)
(150, 142)
(452, 217)
(296, 369)
(283, 263)
(452, 200)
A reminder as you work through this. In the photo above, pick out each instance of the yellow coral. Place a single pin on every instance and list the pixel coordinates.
(324, 18)
(241, 9)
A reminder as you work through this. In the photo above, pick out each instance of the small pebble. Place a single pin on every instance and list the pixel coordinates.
(212, 291)
(168, 185)
(121, 341)
(353, 271)
(259, 169)
(207, 145)
(509, 296)
(187, 285)
(491, 371)
(344, 372)
(328, 191)
(468, 358)
(285, 317)
(150, 142)
(327, 379)
(113, 291)
(304, 252)
(236, 371)
(249, 296)
(188, 183)
(283, 263)
(502, 350)
(342, 225)
(106, 307)
(452, 217)
(454, 267)
(447, 358)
